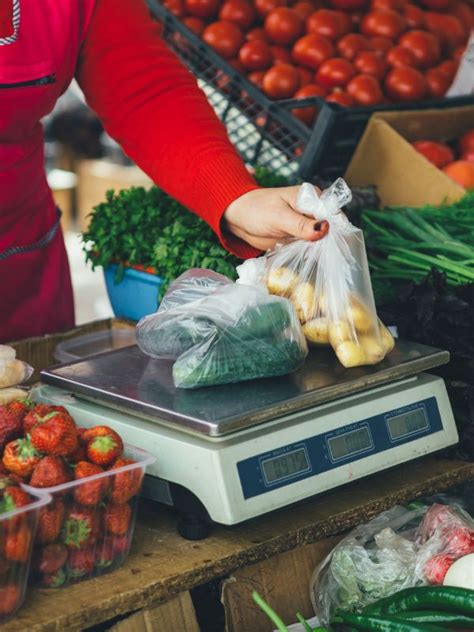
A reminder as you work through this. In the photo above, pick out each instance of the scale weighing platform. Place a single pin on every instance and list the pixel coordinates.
(231, 453)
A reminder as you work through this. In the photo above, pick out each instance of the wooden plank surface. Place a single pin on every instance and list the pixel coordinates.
(162, 564)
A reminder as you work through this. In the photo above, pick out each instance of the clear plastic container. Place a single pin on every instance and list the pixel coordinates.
(17, 533)
(78, 348)
(88, 528)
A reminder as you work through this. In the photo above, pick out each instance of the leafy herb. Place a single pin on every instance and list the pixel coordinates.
(148, 228)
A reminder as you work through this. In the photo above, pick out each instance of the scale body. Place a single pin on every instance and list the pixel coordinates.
(247, 449)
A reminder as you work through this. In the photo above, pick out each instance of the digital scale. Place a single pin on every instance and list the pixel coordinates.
(230, 453)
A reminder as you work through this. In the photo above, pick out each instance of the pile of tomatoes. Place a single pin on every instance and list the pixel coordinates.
(350, 52)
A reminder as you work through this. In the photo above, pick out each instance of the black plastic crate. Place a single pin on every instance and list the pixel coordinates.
(265, 132)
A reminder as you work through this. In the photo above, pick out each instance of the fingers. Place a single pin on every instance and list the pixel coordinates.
(302, 227)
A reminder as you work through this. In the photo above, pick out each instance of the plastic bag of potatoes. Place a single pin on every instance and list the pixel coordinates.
(12, 371)
(328, 282)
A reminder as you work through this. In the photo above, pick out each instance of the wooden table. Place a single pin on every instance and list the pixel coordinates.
(162, 564)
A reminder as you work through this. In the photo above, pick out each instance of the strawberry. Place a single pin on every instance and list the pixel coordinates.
(112, 548)
(53, 581)
(92, 492)
(81, 562)
(50, 522)
(20, 407)
(104, 449)
(10, 597)
(5, 568)
(437, 567)
(79, 454)
(82, 527)
(50, 558)
(99, 431)
(20, 457)
(55, 435)
(458, 540)
(50, 471)
(38, 415)
(117, 518)
(14, 497)
(17, 544)
(126, 484)
(10, 426)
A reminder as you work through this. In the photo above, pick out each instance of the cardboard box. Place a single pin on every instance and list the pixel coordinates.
(386, 159)
(96, 177)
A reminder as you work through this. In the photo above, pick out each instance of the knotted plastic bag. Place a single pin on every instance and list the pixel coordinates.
(219, 332)
(12, 371)
(328, 281)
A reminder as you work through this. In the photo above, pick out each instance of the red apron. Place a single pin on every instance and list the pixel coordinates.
(40, 42)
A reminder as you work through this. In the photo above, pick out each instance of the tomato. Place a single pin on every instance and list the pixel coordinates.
(467, 155)
(335, 72)
(399, 56)
(448, 28)
(283, 25)
(448, 68)
(307, 115)
(461, 172)
(256, 55)
(369, 63)
(176, 7)
(365, 90)
(341, 98)
(202, 8)
(351, 44)
(405, 84)
(224, 37)
(466, 142)
(281, 55)
(265, 6)
(437, 153)
(240, 12)
(330, 24)
(194, 24)
(381, 44)
(414, 16)
(425, 47)
(303, 9)
(464, 12)
(311, 50)
(256, 78)
(438, 82)
(281, 81)
(384, 23)
(394, 5)
(256, 34)
(436, 5)
(348, 5)
(305, 76)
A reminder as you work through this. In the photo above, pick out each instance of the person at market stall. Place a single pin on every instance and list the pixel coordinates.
(151, 105)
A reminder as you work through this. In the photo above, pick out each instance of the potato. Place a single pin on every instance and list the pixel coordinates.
(388, 340)
(281, 281)
(304, 301)
(339, 331)
(350, 354)
(361, 317)
(374, 349)
(316, 331)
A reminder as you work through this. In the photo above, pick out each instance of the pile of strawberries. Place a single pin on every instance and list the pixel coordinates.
(87, 527)
(16, 534)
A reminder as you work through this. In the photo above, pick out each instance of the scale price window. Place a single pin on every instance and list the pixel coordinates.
(350, 443)
(407, 424)
(289, 465)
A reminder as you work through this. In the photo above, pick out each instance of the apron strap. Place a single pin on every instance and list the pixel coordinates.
(44, 241)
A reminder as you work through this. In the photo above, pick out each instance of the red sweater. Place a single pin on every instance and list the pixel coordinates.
(151, 105)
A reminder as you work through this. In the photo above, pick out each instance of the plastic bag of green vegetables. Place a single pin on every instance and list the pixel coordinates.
(220, 332)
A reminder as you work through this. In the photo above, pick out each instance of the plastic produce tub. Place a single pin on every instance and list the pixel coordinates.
(17, 533)
(88, 527)
(135, 295)
(265, 132)
(90, 344)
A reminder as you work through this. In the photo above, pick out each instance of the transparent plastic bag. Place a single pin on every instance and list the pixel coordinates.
(400, 548)
(219, 332)
(328, 282)
(12, 371)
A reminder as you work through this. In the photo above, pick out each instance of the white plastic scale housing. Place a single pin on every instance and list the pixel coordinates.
(242, 460)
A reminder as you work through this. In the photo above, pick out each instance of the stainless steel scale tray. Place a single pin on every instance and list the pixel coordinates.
(130, 380)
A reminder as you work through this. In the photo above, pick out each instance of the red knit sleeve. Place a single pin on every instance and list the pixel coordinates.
(151, 105)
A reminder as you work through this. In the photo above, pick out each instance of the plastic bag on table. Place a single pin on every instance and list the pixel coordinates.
(219, 332)
(328, 282)
(12, 371)
(400, 548)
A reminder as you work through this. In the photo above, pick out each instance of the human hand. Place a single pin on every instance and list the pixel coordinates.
(262, 217)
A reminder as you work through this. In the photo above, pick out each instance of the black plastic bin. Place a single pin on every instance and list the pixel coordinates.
(265, 132)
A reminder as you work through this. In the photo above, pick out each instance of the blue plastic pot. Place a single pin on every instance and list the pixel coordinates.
(135, 296)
